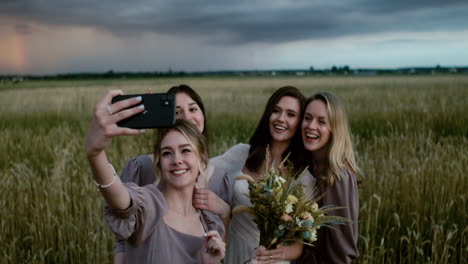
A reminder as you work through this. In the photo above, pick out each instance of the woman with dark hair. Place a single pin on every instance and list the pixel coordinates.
(327, 138)
(190, 107)
(159, 226)
(278, 130)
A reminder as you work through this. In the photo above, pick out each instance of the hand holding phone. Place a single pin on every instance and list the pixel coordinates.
(159, 111)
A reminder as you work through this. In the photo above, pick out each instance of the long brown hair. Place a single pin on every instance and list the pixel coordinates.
(262, 136)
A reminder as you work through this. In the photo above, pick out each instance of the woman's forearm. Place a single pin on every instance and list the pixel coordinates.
(113, 191)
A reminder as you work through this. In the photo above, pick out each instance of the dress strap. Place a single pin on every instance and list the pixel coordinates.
(203, 221)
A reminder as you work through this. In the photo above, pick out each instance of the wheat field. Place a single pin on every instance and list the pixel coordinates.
(410, 134)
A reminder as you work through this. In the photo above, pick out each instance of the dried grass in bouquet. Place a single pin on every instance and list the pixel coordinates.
(281, 210)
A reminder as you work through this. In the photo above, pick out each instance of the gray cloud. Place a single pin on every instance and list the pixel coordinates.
(23, 29)
(242, 21)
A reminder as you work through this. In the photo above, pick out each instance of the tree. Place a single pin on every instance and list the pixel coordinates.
(346, 69)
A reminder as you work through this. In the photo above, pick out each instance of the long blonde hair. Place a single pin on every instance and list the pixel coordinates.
(340, 146)
(195, 139)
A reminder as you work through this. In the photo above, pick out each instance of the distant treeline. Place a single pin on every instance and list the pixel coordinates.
(335, 70)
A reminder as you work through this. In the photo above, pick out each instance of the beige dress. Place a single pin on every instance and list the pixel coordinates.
(140, 170)
(244, 235)
(148, 239)
(337, 244)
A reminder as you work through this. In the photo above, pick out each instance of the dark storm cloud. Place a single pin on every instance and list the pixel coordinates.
(242, 21)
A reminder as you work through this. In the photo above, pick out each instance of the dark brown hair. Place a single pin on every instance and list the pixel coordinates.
(183, 88)
(262, 137)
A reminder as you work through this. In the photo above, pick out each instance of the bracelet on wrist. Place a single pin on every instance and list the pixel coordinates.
(102, 186)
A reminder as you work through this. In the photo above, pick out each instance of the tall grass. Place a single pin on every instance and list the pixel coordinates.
(411, 136)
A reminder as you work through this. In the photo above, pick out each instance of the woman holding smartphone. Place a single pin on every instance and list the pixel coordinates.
(158, 226)
(213, 193)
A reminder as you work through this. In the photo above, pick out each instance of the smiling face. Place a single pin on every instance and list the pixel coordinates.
(315, 126)
(284, 119)
(188, 109)
(179, 161)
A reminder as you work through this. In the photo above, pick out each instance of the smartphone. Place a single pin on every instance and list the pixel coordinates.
(159, 111)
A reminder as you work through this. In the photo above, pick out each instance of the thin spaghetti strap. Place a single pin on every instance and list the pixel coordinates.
(202, 219)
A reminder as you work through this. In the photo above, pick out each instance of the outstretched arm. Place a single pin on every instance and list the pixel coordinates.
(103, 128)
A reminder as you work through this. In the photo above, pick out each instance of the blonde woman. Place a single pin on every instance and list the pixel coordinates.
(326, 135)
(157, 226)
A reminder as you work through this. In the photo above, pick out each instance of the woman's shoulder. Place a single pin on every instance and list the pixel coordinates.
(237, 152)
(232, 158)
(239, 148)
(148, 196)
(347, 175)
(139, 170)
(143, 160)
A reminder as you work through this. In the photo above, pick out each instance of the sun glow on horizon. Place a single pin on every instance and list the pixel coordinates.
(12, 54)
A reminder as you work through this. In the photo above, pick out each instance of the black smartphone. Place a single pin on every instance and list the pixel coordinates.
(159, 111)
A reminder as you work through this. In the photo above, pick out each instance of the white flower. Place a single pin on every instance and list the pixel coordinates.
(278, 182)
(315, 207)
(298, 222)
(289, 208)
(313, 235)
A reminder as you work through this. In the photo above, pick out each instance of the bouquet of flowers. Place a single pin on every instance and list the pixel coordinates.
(282, 211)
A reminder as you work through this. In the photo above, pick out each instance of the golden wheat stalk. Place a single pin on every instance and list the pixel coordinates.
(245, 177)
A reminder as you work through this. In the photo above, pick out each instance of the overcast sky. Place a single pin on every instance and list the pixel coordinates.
(60, 36)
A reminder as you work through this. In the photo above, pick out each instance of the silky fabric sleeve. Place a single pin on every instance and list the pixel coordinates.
(230, 163)
(140, 171)
(220, 184)
(138, 222)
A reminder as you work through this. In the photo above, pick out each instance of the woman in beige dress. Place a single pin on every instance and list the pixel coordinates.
(212, 193)
(158, 226)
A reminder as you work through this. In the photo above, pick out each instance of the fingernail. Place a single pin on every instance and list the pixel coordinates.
(138, 98)
(141, 106)
(142, 130)
(205, 234)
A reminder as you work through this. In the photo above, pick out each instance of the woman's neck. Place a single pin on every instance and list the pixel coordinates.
(277, 150)
(180, 201)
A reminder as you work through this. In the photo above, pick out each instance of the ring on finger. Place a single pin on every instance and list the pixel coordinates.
(109, 110)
